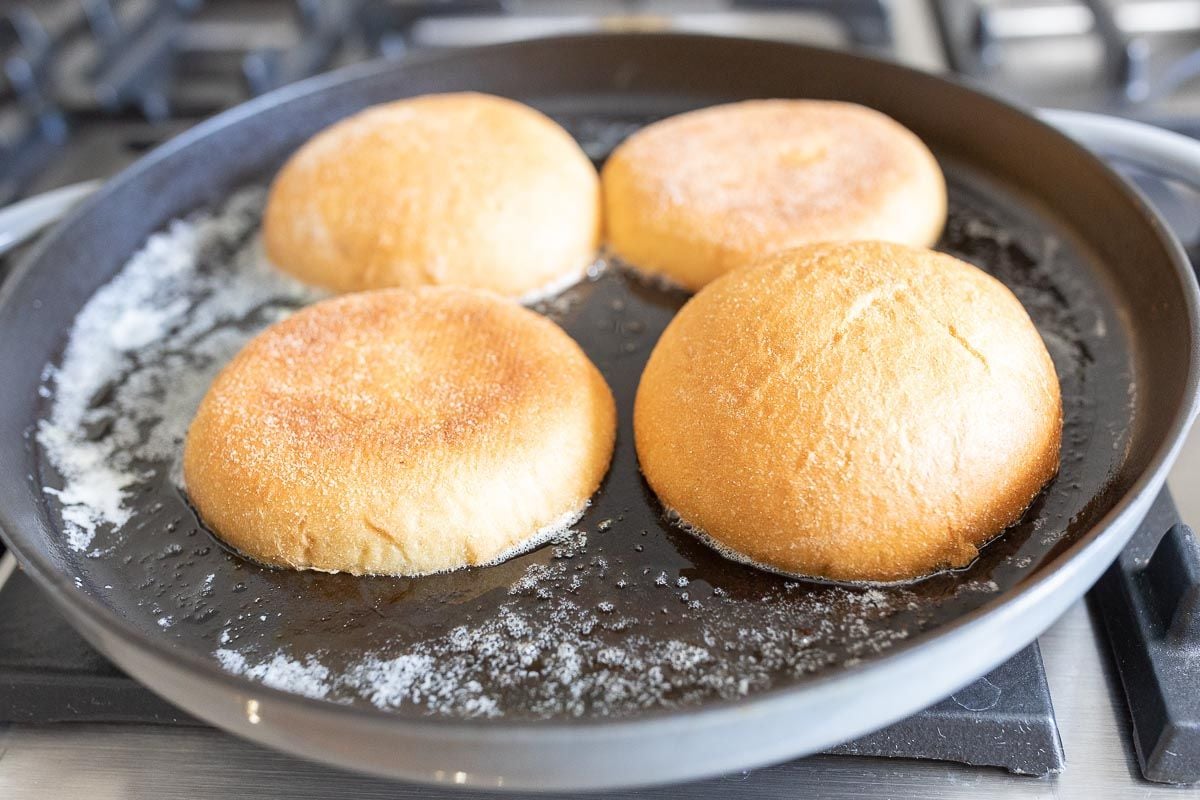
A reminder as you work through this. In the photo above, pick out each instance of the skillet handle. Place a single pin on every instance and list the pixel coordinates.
(24, 219)
(1166, 151)
(1134, 141)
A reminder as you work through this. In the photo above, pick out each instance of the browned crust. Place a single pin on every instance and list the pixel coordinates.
(859, 412)
(399, 432)
(453, 189)
(701, 193)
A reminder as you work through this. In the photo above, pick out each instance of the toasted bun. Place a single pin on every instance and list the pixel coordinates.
(858, 412)
(451, 189)
(697, 195)
(400, 432)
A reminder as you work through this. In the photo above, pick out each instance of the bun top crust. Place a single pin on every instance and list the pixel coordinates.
(701, 193)
(399, 432)
(452, 189)
(859, 412)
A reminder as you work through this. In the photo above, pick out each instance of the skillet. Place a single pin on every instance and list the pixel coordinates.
(676, 664)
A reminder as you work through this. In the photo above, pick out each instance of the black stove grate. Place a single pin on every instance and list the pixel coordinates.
(1126, 58)
(70, 63)
(1150, 603)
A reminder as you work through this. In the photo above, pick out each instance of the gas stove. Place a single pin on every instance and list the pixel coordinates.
(1134, 59)
(1101, 709)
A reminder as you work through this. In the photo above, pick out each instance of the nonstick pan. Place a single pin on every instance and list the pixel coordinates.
(627, 653)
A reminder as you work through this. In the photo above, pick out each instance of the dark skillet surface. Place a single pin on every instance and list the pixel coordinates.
(160, 561)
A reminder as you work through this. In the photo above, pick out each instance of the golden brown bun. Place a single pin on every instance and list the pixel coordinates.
(697, 195)
(399, 432)
(449, 189)
(859, 412)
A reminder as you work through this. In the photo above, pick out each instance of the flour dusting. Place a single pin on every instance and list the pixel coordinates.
(308, 677)
(143, 351)
(551, 652)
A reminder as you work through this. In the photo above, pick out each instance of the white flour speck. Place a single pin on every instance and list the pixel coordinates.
(550, 657)
(307, 677)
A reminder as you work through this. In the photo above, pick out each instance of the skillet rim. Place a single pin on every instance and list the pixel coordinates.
(1059, 570)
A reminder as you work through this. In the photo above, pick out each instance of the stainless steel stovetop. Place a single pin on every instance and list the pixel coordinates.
(90, 84)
